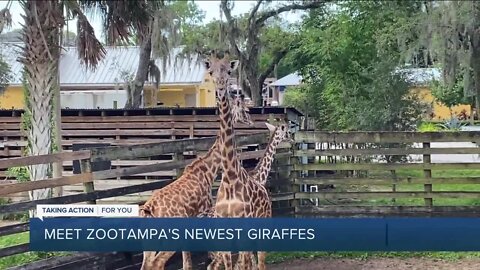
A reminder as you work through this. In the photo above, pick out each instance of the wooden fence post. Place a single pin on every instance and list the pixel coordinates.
(427, 174)
(86, 167)
(295, 188)
(178, 157)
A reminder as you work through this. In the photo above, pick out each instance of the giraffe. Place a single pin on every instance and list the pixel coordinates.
(260, 174)
(190, 194)
(277, 135)
(238, 195)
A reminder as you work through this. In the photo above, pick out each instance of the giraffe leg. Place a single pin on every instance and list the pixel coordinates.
(227, 260)
(254, 261)
(187, 260)
(161, 259)
(262, 255)
(148, 258)
(216, 262)
(240, 264)
(246, 260)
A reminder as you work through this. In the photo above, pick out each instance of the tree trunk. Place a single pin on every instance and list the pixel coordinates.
(256, 90)
(57, 116)
(475, 62)
(475, 54)
(135, 95)
(250, 84)
(40, 29)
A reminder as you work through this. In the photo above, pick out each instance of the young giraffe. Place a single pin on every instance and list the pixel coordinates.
(277, 135)
(190, 194)
(259, 174)
(238, 195)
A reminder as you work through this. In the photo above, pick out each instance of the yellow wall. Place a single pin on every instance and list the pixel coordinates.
(171, 95)
(440, 111)
(207, 93)
(12, 97)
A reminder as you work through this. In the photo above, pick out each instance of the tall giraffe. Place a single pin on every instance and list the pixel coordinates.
(238, 195)
(190, 194)
(260, 174)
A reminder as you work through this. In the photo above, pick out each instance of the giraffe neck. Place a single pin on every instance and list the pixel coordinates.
(230, 162)
(261, 171)
(209, 163)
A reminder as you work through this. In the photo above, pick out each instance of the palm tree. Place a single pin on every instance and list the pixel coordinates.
(41, 53)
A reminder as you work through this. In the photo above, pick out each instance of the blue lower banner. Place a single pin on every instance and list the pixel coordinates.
(254, 234)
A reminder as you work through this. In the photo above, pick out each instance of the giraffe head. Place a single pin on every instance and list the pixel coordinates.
(240, 111)
(220, 70)
(280, 133)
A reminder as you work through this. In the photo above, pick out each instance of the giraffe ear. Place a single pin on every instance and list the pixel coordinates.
(270, 127)
(234, 64)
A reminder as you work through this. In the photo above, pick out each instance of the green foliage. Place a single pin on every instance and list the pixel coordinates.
(448, 96)
(452, 124)
(428, 127)
(22, 216)
(5, 75)
(353, 82)
(24, 258)
(19, 173)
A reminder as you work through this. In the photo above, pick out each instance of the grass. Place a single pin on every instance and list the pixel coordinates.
(20, 259)
(278, 257)
(435, 187)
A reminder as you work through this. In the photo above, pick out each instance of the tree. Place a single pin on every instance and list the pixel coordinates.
(449, 30)
(248, 48)
(351, 72)
(449, 95)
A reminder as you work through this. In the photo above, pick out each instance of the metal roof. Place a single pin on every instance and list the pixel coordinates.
(421, 76)
(111, 70)
(289, 80)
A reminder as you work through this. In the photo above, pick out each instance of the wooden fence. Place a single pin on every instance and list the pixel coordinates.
(387, 173)
(323, 174)
(88, 177)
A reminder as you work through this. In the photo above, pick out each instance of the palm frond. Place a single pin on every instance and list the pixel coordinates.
(90, 50)
(5, 19)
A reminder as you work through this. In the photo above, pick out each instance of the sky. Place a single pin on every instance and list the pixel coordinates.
(211, 8)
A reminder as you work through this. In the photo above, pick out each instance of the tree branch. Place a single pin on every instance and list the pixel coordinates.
(254, 12)
(276, 59)
(231, 28)
(268, 14)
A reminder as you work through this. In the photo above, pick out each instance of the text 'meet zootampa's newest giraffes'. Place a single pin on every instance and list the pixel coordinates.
(260, 173)
(190, 194)
(238, 196)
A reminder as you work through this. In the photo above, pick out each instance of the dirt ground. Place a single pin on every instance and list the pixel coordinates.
(377, 264)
